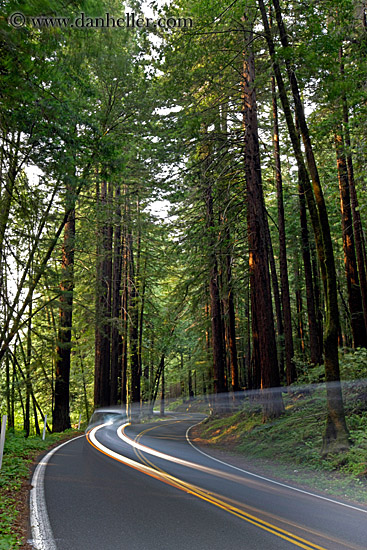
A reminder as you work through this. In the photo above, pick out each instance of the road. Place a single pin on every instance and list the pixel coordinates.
(146, 487)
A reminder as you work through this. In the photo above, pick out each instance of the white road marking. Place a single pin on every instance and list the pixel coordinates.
(42, 536)
(268, 479)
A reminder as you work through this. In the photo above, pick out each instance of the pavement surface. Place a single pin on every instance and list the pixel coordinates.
(146, 487)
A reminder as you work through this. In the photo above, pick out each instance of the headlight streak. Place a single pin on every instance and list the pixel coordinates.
(138, 449)
(216, 500)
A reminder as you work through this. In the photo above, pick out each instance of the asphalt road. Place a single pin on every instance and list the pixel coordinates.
(144, 487)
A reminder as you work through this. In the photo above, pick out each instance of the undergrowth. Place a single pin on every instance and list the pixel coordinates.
(294, 440)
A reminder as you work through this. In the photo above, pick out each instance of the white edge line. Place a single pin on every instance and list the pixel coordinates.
(268, 479)
(42, 536)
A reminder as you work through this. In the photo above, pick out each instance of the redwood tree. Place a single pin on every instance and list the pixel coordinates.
(60, 413)
(103, 300)
(336, 435)
(265, 351)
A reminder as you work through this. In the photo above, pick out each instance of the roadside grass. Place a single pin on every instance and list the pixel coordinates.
(19, 453)
(290, 446)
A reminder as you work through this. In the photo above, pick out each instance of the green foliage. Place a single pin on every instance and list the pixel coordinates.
(353, 364)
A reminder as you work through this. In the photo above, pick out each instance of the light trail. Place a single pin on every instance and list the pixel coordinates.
(161, 475)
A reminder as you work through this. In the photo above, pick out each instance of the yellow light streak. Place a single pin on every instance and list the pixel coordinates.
(189, 488)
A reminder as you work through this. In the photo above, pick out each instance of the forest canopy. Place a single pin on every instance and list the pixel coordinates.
(182, 204)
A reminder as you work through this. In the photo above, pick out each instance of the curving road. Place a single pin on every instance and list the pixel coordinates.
(145, 486)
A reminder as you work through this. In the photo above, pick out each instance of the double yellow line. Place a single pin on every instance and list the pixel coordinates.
(212, 499)
(149, 468)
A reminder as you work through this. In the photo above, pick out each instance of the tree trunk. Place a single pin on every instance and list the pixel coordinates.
(163, 392)
(265, 351)
(9, 393)
(300, 331)
(157, 378)
(357, 223)
(141, 316)
(7, 195)
(28, 379)
(277, 301)
(125, 317)
(231, 316)
(315, 337)
(60, 414)
(350, 262)
(336, 424)
(283, 268)
(134, 320)
(103, 303)
(36, 424)
(85, 395)
(215, 308)
(116, 359)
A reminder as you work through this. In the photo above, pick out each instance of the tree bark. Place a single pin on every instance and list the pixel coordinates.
(215, 307)
(124, 315)
(60, 414)
(116, 359)
(28, 379)
(231, 316)
(283, 267)
(350, 262)
(163, 392)
(337, 435)
(6, 195)
(261, 303)
(277, 301)
(315, 337)
(300, 331)
(357, 223)
(134, 321)
(103, 304)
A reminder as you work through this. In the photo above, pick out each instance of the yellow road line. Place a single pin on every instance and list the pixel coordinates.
(154, 471)
(209, 497)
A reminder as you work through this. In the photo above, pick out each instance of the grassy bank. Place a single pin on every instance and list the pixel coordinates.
(19, 453)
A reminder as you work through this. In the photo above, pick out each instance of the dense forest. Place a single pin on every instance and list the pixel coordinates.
(182, 204)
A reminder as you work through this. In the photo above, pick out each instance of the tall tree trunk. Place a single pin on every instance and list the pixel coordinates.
(283, 268)
(60, 413)
(336, 434)
(141, 315)
(116, 359)
(265, 351)
(103, 302)
(230, 316)
(157, 378)
(300, 331)
(134, 321)
(84, 382)
(124, 314)
(357, 223)
(9, 393)
(163, 393)
(6, 195)
(350, 262)
(319, 297)
(277, 301)
(215, 308)
(28, 380)
(315, 337)
(36, 424)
